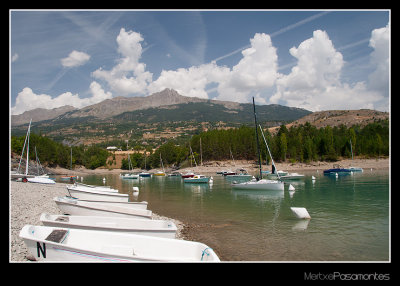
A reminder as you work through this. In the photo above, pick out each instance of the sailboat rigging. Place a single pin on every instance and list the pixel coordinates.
(260, 184)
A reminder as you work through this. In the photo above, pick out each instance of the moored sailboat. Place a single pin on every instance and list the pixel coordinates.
(260, 183)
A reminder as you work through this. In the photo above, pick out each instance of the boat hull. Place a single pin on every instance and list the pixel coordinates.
(135, 205)
(97, 195)
(197, 181)
(159, 228)
(129, 176)
(103, 246)
(260, 185)
(73, 207)
(41, 180)
(337, 170)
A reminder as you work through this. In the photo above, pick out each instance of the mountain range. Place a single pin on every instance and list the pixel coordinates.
(169, 103)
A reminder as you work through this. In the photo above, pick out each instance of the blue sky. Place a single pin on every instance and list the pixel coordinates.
(318, 59)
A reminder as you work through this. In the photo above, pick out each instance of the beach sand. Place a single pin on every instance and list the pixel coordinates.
(29, 201)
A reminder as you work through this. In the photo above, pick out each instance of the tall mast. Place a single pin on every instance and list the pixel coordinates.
(23, 149)
(27, 149)
(258, 145)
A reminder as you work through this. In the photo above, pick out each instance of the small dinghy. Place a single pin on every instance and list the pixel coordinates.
(159, 228)
(76, 207)
(96, 194)
(63, 244)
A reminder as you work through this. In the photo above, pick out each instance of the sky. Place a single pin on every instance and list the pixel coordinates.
(312, 59)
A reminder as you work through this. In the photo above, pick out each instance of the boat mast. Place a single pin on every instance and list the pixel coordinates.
(351, 148)
(27, 149)
(258, 145)
(23, 149)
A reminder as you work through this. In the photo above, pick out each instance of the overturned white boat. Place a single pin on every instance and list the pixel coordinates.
(94, 187)
(96, 194)
(63, 244)
(76, 207)
(40, 180)
(159, 228)
(136, 205)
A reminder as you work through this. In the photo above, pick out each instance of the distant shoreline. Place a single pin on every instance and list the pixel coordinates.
(250, 166)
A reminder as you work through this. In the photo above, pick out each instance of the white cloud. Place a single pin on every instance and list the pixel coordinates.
(190, 82)
(28, 100)
(378, 80)
(314, 83)
(257, 70)
(129, 75)
(75, 59)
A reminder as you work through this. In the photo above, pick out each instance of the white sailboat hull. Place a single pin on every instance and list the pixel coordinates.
(84, 187)
(159, 228)
(74, 207)
(97, 195)
(136, 205)
(40, 180)
(260, 185)
(45, 244)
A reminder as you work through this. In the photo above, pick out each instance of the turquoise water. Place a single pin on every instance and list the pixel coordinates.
(349, 216)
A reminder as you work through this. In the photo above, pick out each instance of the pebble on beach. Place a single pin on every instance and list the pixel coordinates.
(29, 201)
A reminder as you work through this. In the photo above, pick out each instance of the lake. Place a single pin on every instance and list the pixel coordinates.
(349, 215)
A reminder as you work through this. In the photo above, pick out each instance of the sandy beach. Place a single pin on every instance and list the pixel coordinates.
(28, 201)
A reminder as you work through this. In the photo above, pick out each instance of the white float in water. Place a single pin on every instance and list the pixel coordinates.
(135, 189)
(313, 178)
(291, 188)
(300, 212)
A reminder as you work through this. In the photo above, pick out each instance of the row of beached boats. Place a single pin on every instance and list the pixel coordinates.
(99, 224)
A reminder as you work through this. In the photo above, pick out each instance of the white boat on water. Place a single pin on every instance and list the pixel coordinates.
(292, 176)
(129, 176)
(262, 184)
(63, 244)
(76, 207)
(96, 194)
(159, 228)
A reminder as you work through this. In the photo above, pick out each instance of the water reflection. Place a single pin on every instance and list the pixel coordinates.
(270, 195)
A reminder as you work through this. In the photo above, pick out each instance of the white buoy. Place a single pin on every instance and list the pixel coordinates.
(336, 174)
(135, 189)
(104, 179)
(291, 188)
(313, 178)
(301, 213)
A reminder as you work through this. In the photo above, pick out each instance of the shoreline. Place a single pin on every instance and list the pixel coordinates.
(250, 166)
(29, 201)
